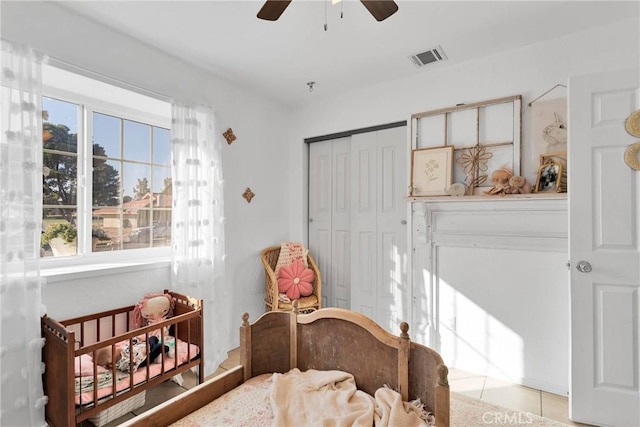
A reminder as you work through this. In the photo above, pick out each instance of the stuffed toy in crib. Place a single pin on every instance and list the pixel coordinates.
(153, 309)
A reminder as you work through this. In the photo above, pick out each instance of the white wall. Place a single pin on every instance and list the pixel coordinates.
(248, 162)
(529, 71)
(258, 123)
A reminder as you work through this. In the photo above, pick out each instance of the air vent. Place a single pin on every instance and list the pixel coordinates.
(432, 55)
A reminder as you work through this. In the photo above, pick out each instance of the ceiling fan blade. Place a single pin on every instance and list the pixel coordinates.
(380, 9)
(272, 9)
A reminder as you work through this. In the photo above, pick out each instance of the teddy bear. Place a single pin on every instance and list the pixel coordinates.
(518, 185)
(500, 179)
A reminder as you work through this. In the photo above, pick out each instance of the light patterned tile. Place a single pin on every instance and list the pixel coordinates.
(512, 396)
(456, 374)
(118, 421)
(159, 394)
(557, 408)
(189, 380)
(215, 373)
(469, 386)
(233, 359)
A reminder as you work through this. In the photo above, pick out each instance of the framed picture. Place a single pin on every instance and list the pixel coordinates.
(431, 171)
(549, 178)
(557, 157)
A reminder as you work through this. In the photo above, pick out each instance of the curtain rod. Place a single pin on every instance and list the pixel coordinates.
(546, 93)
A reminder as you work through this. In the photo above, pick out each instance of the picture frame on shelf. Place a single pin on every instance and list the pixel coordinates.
(561, 158)
(431, 171)
(549, 178)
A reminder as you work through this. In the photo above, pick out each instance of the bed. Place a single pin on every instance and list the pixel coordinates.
(71, 363)
(327, 340)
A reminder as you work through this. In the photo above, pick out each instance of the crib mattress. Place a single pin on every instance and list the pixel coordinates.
(123, 379)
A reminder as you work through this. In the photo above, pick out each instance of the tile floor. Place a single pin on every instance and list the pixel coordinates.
(474, 385)
(511, 396)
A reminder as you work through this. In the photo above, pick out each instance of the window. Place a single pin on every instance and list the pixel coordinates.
(106, 170)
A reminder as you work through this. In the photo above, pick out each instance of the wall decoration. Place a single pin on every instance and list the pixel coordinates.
(557, 157)
(229, 136)
(431, 171)
(485, 136)
(549, 177)
(474, 163)
(248, 195)
(548, 126)
(632, 124)
(631, 156)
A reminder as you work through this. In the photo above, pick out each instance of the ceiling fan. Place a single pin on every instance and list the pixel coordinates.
(380, 9)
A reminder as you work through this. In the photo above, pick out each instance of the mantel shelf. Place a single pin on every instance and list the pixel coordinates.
(481, 198)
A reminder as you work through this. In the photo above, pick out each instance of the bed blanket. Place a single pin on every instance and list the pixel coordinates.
(331, 398)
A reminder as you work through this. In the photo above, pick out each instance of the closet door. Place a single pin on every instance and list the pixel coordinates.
(378, 227)
(329, 193)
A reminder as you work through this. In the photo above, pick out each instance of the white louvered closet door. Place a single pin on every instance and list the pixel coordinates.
(357, 223)
(379, 287)
(329, 193)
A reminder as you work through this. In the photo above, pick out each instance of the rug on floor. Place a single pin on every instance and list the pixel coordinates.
(469, 412)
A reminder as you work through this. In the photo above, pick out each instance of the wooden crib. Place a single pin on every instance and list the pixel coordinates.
(70, 350)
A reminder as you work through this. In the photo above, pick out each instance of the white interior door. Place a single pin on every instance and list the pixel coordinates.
(604, 203)
(340, 225)
(329, 200)
(320, 172)
(378, 225)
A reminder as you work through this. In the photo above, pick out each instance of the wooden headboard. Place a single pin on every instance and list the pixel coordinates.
(334, 338)
(327, 339)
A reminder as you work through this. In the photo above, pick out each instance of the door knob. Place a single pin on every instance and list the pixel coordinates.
(403, 222)
(584, 267)
(310, 219)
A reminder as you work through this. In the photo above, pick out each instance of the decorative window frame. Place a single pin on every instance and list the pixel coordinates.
(495, 125)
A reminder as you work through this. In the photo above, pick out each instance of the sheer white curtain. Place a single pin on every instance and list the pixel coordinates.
(21, 393)
(198, 250)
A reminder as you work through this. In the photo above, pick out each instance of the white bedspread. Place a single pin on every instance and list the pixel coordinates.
(331, 398)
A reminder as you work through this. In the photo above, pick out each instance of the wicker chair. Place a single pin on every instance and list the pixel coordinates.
(308, 304)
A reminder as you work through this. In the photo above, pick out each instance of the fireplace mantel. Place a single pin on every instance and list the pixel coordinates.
(491, 288)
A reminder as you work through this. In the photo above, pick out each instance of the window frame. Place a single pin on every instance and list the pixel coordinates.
(89, 104)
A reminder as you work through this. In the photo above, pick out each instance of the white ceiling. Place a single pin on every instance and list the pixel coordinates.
(279, 58)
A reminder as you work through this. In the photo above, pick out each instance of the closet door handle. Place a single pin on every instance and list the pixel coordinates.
(403, 222)
(584, 267)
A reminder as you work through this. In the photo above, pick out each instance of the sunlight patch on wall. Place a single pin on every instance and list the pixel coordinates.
(473, 340)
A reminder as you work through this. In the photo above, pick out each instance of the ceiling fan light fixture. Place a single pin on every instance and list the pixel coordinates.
(380, 9)
(272, 9)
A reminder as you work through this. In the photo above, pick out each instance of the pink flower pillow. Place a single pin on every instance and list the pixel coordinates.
(295, 280)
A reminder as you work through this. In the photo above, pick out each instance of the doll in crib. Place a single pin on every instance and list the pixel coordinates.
(153, 309)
